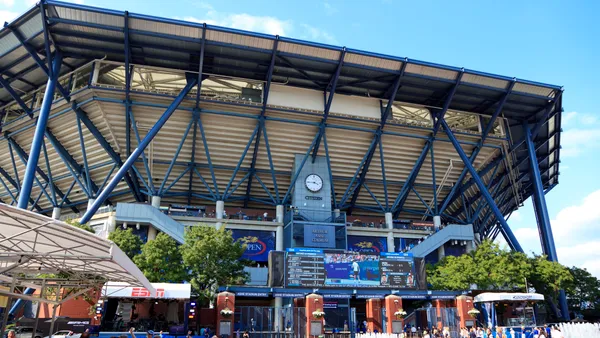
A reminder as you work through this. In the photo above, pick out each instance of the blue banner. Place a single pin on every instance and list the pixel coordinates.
(319, 236)
(365, 244)
(258, 243)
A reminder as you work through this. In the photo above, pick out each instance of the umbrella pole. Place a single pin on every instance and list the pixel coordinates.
(6, 312)
(37, 311)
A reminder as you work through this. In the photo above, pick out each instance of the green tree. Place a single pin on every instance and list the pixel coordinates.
(547, 277)
(161, 261)
(85, 227)
(127, 241)
(489, 267)
(213, 258)
(583, 291)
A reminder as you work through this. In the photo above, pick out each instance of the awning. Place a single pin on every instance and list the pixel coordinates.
(32, 244)
(163, 291)
(507, 297)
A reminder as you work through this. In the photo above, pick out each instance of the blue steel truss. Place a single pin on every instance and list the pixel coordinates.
(485, 208)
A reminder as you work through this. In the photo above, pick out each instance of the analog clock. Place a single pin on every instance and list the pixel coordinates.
(314, 183)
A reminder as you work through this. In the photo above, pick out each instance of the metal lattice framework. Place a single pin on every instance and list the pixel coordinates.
(120, 107)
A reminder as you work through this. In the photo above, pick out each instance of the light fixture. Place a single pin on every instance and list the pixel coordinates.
(137, 226)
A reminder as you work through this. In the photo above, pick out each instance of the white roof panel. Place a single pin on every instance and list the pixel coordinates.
(31, 244)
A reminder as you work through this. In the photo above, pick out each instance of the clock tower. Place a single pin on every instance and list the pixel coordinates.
(312, 191)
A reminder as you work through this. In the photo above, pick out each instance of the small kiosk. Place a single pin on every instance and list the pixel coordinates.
(125, 306)
(508, 310)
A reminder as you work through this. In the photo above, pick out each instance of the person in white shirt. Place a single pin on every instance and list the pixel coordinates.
(356, 270)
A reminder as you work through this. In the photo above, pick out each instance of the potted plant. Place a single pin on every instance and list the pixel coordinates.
(400, 313)
(226, 312)
(473, 312)
(318, 314)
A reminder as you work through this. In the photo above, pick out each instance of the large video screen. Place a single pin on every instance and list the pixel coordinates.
(328, 268)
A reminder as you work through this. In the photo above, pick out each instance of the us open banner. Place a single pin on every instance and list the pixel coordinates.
(258, 243)
(365, 244)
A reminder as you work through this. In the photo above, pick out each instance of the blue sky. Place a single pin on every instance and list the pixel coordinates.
(552, 41)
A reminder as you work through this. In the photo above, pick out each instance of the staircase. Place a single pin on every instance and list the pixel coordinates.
(449, 233)
(144, 213)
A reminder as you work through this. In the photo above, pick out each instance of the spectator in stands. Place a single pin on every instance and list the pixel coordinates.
(265, 215)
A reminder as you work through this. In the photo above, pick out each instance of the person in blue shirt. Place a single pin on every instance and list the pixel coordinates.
(548, 331)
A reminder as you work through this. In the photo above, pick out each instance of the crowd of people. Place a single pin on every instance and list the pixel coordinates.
(479, 332)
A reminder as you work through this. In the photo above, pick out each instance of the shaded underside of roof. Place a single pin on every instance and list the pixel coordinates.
(85, 33)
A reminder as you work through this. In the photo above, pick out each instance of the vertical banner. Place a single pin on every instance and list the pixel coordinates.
(258, 243)
(366, 244)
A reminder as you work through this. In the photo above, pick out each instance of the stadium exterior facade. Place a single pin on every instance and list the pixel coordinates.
(162, 123)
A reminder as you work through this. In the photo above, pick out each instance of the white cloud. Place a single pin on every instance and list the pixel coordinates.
(7, 16)
(262, 24)
(33, 2)
(569, 117)
(575, 234)
(516, 216)
(576, 141)
(7, 3)
(329, 9)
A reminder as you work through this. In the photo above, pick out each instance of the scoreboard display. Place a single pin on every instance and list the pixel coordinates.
(312, 268)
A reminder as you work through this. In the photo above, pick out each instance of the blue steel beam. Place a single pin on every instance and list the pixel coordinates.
(486, 194)
(70, 162)
(38, 136)
(550, 110)
(376, 140)
(15, 184)
(150, 183)
(329, 171)
(192, 158)
(539, 200)
(332, 87)
(82, 115)
(15, 96)
(261, 123)
(40, 63)
(488, 128)
(181, 143)
(191, 82)
(403, 195)
(28, 158)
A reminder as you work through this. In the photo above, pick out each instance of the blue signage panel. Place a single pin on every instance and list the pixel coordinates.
(258, 243)
(366, 244)
(319, 236)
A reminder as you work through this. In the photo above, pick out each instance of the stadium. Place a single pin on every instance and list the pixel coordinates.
(127, 120)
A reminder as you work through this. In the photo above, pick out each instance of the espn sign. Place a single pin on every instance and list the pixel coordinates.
(163, 291)
(144, 293)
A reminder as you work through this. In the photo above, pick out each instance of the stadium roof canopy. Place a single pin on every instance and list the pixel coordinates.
(33, 246)
(84, 34)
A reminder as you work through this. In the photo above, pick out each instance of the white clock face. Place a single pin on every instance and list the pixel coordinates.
(314, 182)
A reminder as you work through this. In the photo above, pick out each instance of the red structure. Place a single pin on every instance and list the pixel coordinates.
(225, 303)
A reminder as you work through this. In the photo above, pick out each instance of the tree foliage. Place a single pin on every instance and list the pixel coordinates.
(76, 224)
(127, 241)
(161, 261)
(547, 277)
(583, 291)
(213, 257)
(489, 267)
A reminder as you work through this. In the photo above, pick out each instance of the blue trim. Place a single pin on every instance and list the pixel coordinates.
(433, 179)
(14, 165)
(385, 187)
(511, 239)
(38, 136)
(191, 82)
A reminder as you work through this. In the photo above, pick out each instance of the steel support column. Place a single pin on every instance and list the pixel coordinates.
(191, 82)
(406, 188)
(82, 115)
(511, 239)
(543, 217)
(261, 124)
(376, 141)
(38, 136)
(488, 128)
